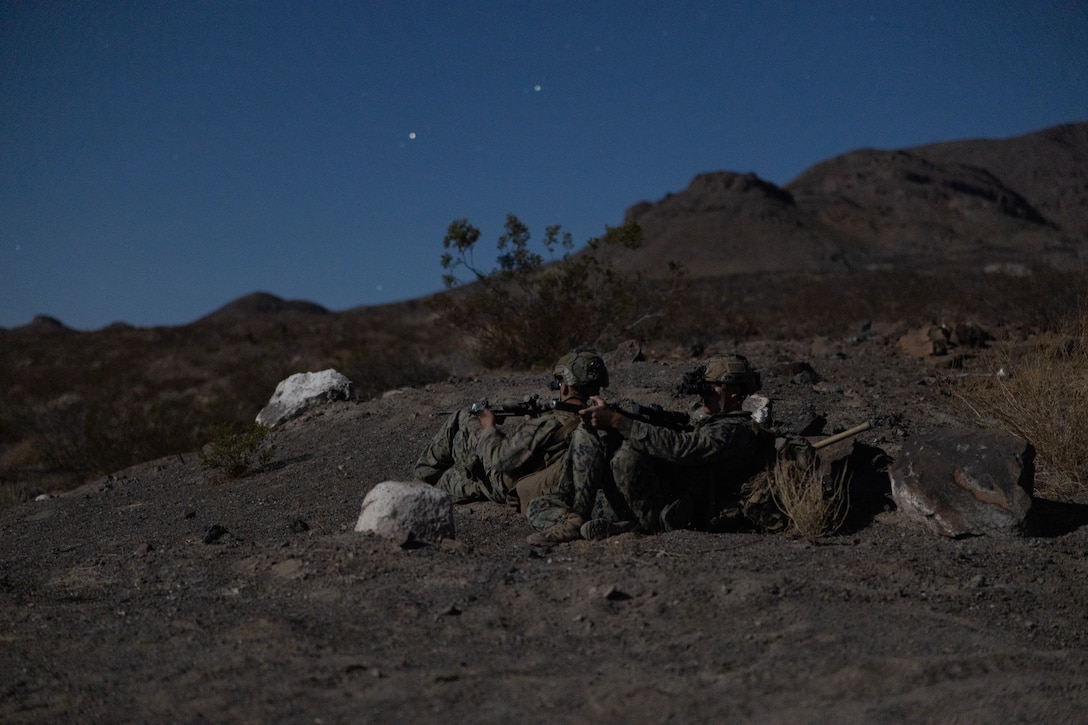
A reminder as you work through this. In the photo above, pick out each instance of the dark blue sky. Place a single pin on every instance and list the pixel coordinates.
(160, 159)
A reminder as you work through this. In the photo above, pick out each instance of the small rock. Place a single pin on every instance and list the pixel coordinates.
(214, 533)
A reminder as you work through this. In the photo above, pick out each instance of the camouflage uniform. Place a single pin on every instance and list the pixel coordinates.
(661, 476)
(472, 463)
(636, 475)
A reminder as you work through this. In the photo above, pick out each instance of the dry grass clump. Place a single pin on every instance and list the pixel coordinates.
(797, 500)
(1040, 391)
(815, 508)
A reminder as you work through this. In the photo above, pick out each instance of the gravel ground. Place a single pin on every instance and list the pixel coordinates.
(164, 594)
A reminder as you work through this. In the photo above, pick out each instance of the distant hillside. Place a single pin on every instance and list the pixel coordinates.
(977, 202)
(258, 304)
(1048, 168)
(727, 223)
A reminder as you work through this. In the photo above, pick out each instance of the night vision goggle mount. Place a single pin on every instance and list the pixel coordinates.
(694, 383)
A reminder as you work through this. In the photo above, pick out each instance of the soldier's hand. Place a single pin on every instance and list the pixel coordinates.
(599, 415)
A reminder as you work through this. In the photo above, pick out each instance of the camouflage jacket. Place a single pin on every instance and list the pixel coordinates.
(530, 446)
(711, 461)
(726, 439)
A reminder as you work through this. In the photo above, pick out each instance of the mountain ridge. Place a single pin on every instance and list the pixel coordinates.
(960, 202)
(975, 202)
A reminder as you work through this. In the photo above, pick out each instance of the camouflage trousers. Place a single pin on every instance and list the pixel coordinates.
(451, 464)
(586, 487)
(605, 478)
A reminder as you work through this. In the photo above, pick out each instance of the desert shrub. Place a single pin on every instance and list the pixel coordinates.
(1040, 391)
(525, 312)
(238, 449)
(12, 494)
(95, 437)
(376, 371)
(793, 496)
(814, 506)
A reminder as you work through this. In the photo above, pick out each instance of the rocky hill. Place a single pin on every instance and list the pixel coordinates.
(974, 203)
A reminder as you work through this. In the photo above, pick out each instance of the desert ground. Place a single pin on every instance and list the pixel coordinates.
(167, 593)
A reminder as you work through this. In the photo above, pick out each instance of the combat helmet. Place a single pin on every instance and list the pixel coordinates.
(721, 370)
(582, 368)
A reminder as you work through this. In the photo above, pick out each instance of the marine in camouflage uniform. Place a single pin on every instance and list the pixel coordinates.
(626, 470)
(472, 459)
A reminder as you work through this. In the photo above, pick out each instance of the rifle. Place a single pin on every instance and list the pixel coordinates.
(530, 405)
(848, 433)
(656, 415)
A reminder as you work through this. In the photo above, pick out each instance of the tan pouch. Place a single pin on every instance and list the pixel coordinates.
(541, 482)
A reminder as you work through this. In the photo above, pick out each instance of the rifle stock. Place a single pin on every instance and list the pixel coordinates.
(848, 433)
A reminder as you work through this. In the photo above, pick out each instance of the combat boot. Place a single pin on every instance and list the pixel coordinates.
(596, 529)
(569, 528)
(677, 515)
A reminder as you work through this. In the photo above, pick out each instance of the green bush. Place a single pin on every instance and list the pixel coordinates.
(526, 312)
(238, 450)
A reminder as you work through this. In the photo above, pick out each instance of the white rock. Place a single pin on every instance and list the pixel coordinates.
(759, 406)
(303, 391)
(407, 513)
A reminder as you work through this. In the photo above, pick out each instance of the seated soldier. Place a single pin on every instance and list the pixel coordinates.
(630, 471)
(473, 459)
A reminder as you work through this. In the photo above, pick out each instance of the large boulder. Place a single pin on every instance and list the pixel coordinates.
(303, 391)
(965, 482)
(407, 513)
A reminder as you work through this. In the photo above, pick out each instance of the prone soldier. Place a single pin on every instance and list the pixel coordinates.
(472, 458)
